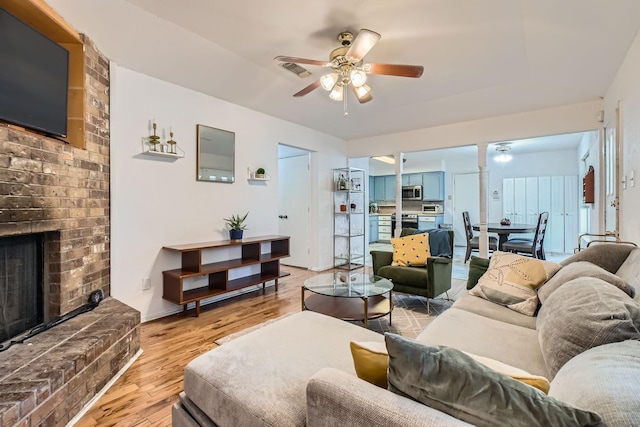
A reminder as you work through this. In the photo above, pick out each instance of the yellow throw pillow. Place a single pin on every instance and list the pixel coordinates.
(371, 361)
(541, 383)
(511, 280)
(411, 251)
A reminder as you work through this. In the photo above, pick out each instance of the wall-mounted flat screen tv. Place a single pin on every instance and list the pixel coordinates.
(33, 78)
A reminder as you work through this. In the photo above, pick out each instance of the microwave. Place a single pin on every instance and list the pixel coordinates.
(413, 192)
(432, 208)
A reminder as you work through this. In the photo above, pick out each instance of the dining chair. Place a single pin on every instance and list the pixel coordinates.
(473, 242)
(533, 247)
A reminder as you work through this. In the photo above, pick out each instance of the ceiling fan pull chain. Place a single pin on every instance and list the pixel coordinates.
(346, 113)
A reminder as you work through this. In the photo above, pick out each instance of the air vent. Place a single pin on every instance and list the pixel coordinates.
(296, 69)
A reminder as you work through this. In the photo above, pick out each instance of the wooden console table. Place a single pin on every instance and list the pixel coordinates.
(218, 272)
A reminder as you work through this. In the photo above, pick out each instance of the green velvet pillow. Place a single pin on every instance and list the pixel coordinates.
(477, 267)
(450, 381)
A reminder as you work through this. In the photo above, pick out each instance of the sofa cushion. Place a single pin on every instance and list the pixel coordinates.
(260, 378)
(609, 256)
(581, 314)
(515, 345)
(411, 250)
(629, 271)
(449, 380)
(581, 269)
(477, 267)
(492, 310)
(604, 379)
(414, 276)
(370, 360)
(511, 280)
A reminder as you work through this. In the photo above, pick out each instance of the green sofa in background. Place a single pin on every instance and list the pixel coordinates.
(428, 282)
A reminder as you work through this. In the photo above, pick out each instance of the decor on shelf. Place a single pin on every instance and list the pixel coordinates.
(154, 139)
(236, 226)
(171, 149)
(348, 68)
(504, 156)
(505, 221)
(260, 173)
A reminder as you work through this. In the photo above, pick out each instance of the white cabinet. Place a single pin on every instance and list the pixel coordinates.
(384, 228)
(349, 215)
(525, 198)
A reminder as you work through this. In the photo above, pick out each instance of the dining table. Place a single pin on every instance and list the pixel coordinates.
(504, 230)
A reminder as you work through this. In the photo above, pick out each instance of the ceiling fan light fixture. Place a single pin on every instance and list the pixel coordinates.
(504, 155)
(328, 81)
(358, 78)
(362, 91)
(337, 92)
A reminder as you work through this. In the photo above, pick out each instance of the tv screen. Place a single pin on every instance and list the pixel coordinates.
(33, 78)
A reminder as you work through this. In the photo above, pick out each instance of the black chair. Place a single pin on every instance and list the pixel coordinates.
(533, 247)
(473, 242)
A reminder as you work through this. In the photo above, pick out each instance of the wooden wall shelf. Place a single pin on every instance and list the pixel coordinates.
(218, 272)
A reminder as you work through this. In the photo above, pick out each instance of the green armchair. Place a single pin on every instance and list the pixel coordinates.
(428, 282)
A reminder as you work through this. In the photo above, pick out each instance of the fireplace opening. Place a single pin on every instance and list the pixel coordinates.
(21, 284)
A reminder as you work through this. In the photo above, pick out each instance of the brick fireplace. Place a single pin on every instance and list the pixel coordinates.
(61, 192)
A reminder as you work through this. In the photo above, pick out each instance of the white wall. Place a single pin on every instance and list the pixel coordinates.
(626, 88)
(155, 202)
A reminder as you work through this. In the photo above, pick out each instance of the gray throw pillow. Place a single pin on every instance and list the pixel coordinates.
(582, 314)
(450, 381)
(604, 379)
(581, 269)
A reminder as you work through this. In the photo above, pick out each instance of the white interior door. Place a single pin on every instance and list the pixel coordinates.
(554, 239)
(532, 200)
(611, 181)
(466, 188)
(508, 203)
(294, 187)
(570, 213)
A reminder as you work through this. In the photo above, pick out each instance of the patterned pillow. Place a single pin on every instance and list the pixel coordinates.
(511, 280)
(411, 251)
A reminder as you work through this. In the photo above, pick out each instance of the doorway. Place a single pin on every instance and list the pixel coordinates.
(294, 202)
(465, 198)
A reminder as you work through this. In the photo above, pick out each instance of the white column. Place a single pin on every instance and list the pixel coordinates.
(398, 166)
(483, 194)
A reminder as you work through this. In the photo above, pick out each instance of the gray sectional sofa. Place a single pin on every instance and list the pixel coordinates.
(299, 370)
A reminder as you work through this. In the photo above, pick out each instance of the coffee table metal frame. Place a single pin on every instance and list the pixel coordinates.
(349, 296)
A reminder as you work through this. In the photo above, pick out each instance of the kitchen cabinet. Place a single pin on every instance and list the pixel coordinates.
(349, 214)
(429, 222)
(373, 229)
(384, 188)
(384, 228)
(412, 179)
(433, 185)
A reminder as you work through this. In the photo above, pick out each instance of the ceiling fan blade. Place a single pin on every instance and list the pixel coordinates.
(363, 93)
(308, 89)
(362, 44)
(395, 70)
(301, 60)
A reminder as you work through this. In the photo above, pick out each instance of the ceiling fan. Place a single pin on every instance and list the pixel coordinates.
(349, 68)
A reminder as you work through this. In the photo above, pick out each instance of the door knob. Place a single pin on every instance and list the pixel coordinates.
(614, 203)
(282, 216)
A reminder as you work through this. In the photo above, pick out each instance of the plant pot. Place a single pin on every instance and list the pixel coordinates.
(235, 234)
(260, 176)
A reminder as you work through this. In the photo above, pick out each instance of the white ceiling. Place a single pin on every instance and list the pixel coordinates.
(481, 58)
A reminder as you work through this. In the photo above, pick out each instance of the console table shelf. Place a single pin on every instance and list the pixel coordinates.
(218, 272)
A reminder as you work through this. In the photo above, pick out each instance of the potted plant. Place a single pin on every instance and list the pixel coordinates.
(260, 173)
(236, 226)
(505, 221)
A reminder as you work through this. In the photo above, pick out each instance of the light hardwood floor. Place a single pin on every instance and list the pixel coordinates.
(143, 396)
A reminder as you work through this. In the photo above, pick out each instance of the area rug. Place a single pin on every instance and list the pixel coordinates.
(408, 318)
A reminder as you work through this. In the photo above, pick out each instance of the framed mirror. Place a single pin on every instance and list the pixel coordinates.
(215, 155)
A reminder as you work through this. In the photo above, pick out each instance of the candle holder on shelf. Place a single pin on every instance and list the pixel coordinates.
(154, 139)
(171, 143)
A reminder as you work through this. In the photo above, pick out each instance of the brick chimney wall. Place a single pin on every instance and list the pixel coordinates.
(47, 186)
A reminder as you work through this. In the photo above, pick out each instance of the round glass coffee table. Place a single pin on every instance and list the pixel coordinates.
(349, 296)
